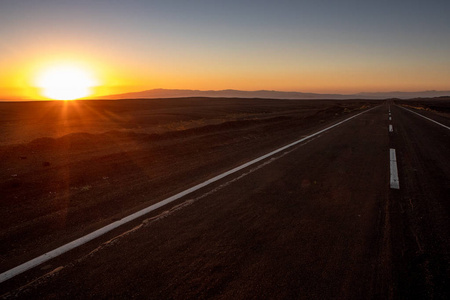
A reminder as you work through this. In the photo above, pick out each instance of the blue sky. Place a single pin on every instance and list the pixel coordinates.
(342, 46)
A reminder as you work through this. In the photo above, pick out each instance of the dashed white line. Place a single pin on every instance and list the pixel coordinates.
(99, 232)
(395, 184)
(391, 129)
(426, 118)
(390, 118)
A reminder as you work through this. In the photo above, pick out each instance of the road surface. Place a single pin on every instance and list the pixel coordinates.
(317, 220)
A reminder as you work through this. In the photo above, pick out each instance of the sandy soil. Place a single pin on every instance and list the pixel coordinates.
(320, 222)
(71, 167)
(437, 106)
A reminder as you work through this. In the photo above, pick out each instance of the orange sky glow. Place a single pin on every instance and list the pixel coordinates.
(124, 48)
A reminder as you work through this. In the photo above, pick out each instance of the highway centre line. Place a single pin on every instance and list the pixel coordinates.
(426, 118)
(99, 232)
(394, 182)
(391, 129)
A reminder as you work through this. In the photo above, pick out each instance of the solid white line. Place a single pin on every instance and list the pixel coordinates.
(426, 118)
(395, 184)
(89, 237)
(391, 129)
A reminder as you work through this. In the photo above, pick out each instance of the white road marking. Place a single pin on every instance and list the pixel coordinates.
(426, 118)
(186, 203)
(395, 184)
(99, 232)
(391, 129)
(390, 118)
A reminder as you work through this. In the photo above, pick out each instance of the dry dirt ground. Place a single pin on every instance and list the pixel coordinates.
(439, 106)
(68, 168)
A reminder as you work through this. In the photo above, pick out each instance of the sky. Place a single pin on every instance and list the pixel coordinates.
(317, 46)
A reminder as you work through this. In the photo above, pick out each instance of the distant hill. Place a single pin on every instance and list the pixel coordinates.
(173, 93)
(405, 95)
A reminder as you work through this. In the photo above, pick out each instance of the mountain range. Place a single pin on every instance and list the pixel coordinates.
(175, 93)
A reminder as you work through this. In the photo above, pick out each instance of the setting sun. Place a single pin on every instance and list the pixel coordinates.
(65, 82)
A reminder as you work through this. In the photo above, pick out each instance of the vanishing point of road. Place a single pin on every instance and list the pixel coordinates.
(337, 215)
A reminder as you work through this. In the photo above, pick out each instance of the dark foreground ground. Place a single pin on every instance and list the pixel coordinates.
(318, 222)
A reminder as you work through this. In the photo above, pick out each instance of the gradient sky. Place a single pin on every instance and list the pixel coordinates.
(309, 46)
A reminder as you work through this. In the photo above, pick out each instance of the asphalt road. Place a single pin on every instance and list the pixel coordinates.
(420, 209)
(316, 221)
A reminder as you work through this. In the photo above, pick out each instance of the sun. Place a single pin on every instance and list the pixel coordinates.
(65, 82)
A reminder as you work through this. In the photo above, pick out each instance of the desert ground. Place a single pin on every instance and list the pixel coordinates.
(69, 168)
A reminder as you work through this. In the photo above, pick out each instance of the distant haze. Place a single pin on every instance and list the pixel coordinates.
(175, 93)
